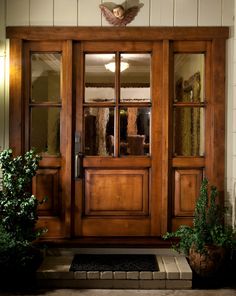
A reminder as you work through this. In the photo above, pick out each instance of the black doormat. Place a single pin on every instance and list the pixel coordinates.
(114, 262)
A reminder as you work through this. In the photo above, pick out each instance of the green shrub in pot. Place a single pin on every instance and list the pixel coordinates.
(209, 239)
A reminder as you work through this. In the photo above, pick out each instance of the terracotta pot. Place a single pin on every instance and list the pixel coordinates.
(207, 264)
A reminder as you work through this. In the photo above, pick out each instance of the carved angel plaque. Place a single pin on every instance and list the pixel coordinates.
(119, 16)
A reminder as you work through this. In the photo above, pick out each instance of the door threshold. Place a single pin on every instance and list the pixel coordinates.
(173, 273)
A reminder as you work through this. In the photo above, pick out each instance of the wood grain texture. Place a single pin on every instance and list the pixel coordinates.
(116, 192)
(45, 185)
(187, 187)
(118, 34)
(116, 227)
(16, 135)
(162, 200)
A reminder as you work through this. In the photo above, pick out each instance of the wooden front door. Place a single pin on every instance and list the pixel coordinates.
(123, 152)
(117, 139)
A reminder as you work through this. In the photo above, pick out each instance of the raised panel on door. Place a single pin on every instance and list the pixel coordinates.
(46, 187)
(116, 192)
(186, 186)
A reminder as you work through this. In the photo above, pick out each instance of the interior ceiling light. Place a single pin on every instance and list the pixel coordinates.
(112, 66)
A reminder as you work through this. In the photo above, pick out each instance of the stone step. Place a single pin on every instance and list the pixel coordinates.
(174, 273)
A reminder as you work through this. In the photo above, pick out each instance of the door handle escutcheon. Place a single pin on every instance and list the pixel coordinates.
(79, 165)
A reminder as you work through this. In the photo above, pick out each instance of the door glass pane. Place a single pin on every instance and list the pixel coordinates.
(134, 131)
(99, 131)
(189, 131)
(45, 77)
(99, 80)
(135, 80)
(45, 130)
(189, 78)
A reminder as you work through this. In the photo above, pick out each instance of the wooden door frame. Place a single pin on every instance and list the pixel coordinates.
(216, 38)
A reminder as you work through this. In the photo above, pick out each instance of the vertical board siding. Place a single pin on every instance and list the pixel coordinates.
(17, 13)
(89, 13)
(185, 13)
(234, 124)
(234, 146)
(65, 12)
(162, 13)
(143, 17)
(227, 12)
(41, 12)
(2, 22)
(209, 13)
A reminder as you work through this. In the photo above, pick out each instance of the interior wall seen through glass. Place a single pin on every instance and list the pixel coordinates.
(99, 81)
(189, 131)
(135, 80)
(45, 77)
(45, 130)
(189, 80)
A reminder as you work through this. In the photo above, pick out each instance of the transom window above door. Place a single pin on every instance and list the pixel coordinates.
(117, 104)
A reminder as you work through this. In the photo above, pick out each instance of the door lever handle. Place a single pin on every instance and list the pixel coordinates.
(79, 165)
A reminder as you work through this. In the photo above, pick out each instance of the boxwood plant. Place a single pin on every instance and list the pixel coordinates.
(18, 211)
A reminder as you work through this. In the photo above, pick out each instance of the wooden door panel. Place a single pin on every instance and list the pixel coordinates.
(116, 192)
(46, 186)
(111, 226)
(187, 185)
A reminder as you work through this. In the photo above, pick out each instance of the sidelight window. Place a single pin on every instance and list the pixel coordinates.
(45, 102)
(189, 105)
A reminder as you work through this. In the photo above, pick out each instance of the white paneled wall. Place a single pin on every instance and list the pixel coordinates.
(162, 12)
(209, 12)
(181, 17)
(153, 13)
(87, 12)
(143, 16)
(227, 12)
(41, 12)
(65, 12)
(17, 12)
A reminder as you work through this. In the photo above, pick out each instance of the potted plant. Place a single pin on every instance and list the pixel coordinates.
(208, 240)
(18, 214)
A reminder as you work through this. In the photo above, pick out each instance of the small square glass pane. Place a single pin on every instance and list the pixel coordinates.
(189, 78)
(99, 78)
(45, 77)
(135, 75)
(99, 131)
(135, 131)
(45, 130)
(189, 133)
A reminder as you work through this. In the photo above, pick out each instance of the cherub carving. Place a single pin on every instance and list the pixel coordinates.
(119, 16)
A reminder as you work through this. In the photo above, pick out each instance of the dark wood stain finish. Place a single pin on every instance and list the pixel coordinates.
(161, 189)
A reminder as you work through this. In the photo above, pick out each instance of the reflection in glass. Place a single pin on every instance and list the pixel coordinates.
(99, 131)
(134, 131)
(45, 77)
(189, 78)
(188, 131)
(135, 81)
(45, 130)
(99, 81)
